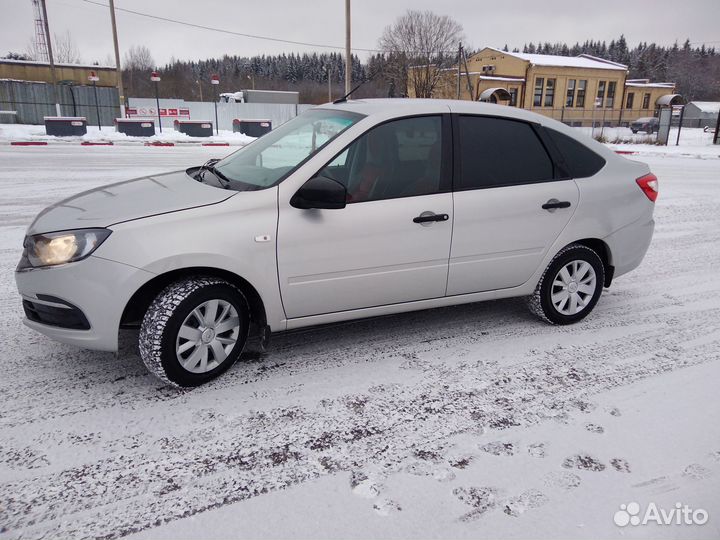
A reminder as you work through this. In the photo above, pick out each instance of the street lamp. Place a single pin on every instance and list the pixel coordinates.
(94, 79)
(154, 77)
(215, 81)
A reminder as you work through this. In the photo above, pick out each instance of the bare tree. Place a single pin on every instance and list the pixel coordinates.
(419, 45)
(65, 50)
(137, 63)
(139, 57)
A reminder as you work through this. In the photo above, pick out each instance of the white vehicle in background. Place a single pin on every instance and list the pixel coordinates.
(350, 210)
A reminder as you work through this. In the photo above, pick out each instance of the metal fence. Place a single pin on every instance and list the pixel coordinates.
(171, 109)
(34, 100)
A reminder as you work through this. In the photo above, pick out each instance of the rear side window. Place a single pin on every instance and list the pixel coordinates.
(497, 152)
(580, 160)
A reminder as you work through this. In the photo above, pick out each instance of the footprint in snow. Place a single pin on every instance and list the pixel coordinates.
(532, 498)
(481, 499)
(583, 462)
(620, 465)
(562, 479)
(696, 471)
(386, 507)
(500, 448)
(537, 450)
(594, 428)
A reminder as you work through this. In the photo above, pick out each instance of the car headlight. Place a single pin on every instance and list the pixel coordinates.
(51, 249)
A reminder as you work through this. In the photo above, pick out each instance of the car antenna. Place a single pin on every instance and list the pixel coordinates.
(351, 92)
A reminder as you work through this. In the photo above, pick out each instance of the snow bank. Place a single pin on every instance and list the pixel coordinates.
(24, 132)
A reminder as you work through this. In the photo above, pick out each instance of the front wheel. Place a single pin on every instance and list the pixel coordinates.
(570, 287)
(194, 330)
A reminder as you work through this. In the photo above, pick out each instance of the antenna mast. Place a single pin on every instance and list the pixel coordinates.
(40, 41)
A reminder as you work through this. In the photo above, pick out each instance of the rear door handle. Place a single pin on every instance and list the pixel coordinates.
(552, 204)
(426, 217)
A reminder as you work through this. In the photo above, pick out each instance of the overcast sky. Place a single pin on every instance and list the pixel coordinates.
(322, 21)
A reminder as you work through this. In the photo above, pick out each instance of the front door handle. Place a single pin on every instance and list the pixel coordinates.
(426, 217)
(553, 204)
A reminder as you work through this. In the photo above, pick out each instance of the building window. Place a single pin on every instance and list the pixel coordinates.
(600, 94)
(580, 101)
(630, 100)
(646, 101)
(513, 96)
(570, 99)
(537, 97)
(610, 100)
(550, 93)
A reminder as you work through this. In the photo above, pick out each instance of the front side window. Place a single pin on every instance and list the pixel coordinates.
(537, 96)
(610, 100)
(550, 93)
(402, 158)
(580, 101)
(496, 152)
(570, 98)
(630, 100)
(268, 160)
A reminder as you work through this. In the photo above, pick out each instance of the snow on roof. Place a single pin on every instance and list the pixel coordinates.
(57, 64)
(582, 61)
(491, 78)
(707, 106)
(650, 85)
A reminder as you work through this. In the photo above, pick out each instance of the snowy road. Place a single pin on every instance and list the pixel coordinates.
(473, 421)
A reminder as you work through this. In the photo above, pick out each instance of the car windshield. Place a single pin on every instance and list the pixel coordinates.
(271, 158)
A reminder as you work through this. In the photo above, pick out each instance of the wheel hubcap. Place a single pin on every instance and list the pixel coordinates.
(207, 336)
(573, 287)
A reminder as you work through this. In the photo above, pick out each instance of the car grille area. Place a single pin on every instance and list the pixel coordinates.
(62, 314)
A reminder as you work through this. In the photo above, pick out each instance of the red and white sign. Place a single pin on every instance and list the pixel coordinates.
(154, 77)
(215, 79)
(93, 77)
(170, 112)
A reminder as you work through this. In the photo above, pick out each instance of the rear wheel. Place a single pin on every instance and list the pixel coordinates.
(570, 286)
(194, 330)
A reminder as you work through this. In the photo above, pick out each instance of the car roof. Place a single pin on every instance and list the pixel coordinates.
(404, 106)
(408, 106)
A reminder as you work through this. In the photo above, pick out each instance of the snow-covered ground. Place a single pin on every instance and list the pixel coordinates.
(465, 422)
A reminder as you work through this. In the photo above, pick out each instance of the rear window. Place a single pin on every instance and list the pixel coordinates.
(581, 161)
(497, 152)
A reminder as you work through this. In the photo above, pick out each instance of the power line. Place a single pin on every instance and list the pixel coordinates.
(225, 31)
(253, 36)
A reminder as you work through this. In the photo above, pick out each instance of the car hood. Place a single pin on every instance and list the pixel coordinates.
(126, 201)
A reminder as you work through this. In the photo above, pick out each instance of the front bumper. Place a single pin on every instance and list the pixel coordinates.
(93, 289)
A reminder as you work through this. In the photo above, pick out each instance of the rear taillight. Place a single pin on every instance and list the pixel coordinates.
(650, 186)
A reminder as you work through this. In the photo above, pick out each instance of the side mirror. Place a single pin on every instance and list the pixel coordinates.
(320, 192)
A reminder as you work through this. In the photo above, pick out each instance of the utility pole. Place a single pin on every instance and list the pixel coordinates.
(329, 73)
(215, 81)
(458, 70)
(154, 77)
(348, 52)
(50, 57)
(121, 91)
(94, 79)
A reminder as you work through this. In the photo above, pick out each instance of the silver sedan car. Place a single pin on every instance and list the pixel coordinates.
(350, 210)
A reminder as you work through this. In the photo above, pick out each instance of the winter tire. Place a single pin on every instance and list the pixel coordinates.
(194, 330)
(570, 286)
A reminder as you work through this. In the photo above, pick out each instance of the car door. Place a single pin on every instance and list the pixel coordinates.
(509, 203)
(391, 243)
